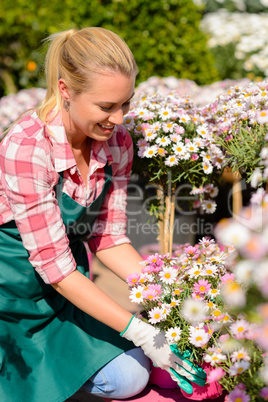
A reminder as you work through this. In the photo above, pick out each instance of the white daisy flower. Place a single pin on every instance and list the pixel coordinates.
(141, 112)
(156, 315)
(226, 318)
(214, 358)
(163, 141)
(207, 167)
(199, 142)
(202, 130)
(214, 292)
(173, 335)
(168, 127)
(136, 294)
(172, 160)
(199, 338)
(149, 135)
(191, 147)
(239, 368)
(150, 152)
(179, 148)
(165, 113)
(175, 138)
(209, 206)
(168, 275)
(184, 118)
(206, 156)
(210, 270)
(156, 126)
(240, 354)
(195, 271)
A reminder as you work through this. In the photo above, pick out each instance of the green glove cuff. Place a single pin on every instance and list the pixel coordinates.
(122, 333)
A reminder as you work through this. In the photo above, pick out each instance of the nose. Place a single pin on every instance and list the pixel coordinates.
(117, 117)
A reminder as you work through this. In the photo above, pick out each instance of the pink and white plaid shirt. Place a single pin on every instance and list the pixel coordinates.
(31, 155)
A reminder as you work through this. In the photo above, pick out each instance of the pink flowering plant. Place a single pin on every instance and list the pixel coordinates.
(182, 296)
(173, 146)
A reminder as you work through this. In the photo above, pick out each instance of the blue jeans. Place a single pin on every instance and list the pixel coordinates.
(123, 377)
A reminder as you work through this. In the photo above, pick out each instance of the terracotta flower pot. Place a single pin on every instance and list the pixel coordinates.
(209, 391)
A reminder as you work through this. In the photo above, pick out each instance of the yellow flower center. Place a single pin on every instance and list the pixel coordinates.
(217, 313)
(196, 272)
(238, 399)
(209, 271)
(202, 288)
(167, 275)
(173, 334)
(138, 295)
(240, 329)
(165, 113)
(199, 338)
(172, 159)
(157, 316)
(240, 355)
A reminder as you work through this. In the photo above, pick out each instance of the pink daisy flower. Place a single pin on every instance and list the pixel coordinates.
(152, 292)
(215, 375)
(191, 250)
(238, 395)
(202, 286)
(239, 328)
(133, 279)
(227, 278)
(264, 393)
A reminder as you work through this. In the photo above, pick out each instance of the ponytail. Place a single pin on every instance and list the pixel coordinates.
(52, 71)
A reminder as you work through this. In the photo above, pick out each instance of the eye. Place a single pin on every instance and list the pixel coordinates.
(106, 109)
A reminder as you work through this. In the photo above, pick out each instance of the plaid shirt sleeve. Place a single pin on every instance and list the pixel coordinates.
(109, 228)
(27, 180)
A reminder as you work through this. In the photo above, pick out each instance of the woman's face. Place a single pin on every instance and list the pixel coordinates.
(95, 113)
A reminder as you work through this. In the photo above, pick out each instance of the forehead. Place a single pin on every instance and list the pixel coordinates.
(110, 87)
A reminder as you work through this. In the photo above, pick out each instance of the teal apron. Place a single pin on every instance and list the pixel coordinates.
(48, 347)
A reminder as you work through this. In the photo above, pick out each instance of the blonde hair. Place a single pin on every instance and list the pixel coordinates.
(74, 54)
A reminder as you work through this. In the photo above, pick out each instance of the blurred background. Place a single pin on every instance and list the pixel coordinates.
(200, 40)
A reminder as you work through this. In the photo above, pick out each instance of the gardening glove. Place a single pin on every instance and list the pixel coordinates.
(154, 344)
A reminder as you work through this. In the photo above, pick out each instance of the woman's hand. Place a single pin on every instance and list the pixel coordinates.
(155, 346)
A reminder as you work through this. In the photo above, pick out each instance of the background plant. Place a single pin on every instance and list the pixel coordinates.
(163, 35)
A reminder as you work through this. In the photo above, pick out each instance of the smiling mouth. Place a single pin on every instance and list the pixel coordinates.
(110, 128)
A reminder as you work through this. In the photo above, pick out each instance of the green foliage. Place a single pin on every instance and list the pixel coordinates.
(164, 36)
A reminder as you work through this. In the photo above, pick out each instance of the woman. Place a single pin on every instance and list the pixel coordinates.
(64, 172)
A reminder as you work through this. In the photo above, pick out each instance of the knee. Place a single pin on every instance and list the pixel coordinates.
(135, 375)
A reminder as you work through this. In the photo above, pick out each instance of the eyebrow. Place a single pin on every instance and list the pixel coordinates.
(112, 103)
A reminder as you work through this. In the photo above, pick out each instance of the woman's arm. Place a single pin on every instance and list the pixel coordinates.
(122, 260)
(85, 295)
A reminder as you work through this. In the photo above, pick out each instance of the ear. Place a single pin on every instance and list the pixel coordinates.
(64, 91)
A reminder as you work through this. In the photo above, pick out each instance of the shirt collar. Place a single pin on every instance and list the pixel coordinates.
(62, 152)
